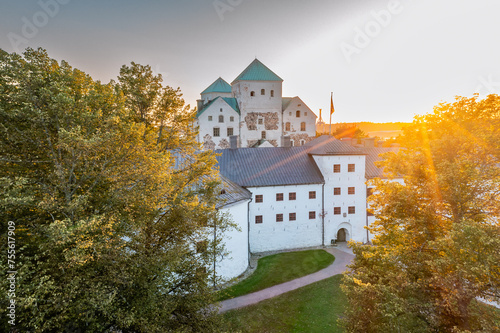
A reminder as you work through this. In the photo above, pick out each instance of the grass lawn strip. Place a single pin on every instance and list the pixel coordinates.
(279, 268)
(313, 308)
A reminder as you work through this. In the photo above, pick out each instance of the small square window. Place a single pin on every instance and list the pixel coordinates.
(292, 217)
(279, 217)
(312, 195)
(297, 114)
(336, 168)
(229, 131)
(351, 210)
(292, 196)
(260, 121)
(336, 211)
(263, 91)
(231, 118)
(216, 132)
(351, 167)
(312, 215)
(259, 198)
(336, 191)
(351, 190)
(209, 118)
(279, 196)
(258, 219)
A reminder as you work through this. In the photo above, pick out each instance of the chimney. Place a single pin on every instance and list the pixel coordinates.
(369, 142)
(200, 104)
(285, 141)
(233, 142)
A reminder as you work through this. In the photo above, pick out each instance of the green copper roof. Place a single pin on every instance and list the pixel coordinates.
(232, 102)
(257, 71)
(219, 86)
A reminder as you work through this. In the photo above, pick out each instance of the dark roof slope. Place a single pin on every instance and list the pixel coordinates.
(232, 193)
(373, 155)
(328, 145)
(251, 167)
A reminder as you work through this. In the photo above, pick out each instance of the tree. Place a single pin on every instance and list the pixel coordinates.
(107, 209)
(437, 235)
(346, 131)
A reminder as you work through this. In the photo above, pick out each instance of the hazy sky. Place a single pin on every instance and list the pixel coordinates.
(384, 60)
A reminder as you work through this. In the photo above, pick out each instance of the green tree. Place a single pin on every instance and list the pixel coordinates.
(437, 235)
(108, 210)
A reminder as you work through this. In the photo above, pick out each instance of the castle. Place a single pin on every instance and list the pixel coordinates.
(252, 109)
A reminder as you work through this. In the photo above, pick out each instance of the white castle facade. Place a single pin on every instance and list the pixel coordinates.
(295, 197)
(254, 110)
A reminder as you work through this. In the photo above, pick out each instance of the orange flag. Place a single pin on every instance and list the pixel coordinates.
(332, 109)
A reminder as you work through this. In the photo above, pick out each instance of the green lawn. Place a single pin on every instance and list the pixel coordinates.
(279, 268)
(313, 308)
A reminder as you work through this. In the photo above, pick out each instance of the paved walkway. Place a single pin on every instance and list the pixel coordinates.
(343, 256)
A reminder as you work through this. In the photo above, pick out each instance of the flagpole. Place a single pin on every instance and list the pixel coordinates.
(331, 116)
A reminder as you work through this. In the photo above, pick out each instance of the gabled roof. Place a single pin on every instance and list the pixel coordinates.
(257, 71)
(329, 145)
(285, 102)
(231, 193)
(373, 155)
(254, 167)
(219, 86)
(232, 102)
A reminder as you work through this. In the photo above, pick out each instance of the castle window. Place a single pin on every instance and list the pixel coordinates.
(302, 142)
(220, 109)
(312, 194)
(351, 167)
(258, 219)
(260, 121)
(272, 93)
(231, 118)
(292, 216)
(259, 198)
(312, 215)
(263, 134)
(290, 114)
(292, 196)
(336, 211)
(209, 118)
(252, 93)
(351, 210)
(216, 131)
(279, 217)
(297, 114)
(303, 126)
(351, 190)
(336, 168)
(229, 131)
(279, 196)
(221, 119)
(263, 91)
(287, 127)
(336, 191)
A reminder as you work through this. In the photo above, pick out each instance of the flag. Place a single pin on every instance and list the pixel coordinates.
(332, 109)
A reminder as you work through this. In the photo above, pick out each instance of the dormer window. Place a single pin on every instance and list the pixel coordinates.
(252, 93)
(297, 114)
(263, 91)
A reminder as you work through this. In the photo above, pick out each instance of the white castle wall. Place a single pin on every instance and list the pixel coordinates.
(272, 235)
(235, 261)
(206, 126)
(297, 106)
(353, 223)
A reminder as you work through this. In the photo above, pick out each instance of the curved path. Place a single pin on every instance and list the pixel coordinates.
(342, 259)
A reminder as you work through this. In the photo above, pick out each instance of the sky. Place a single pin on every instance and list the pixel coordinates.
(384, 60)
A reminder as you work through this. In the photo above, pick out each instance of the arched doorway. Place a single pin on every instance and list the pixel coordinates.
(341, 235)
